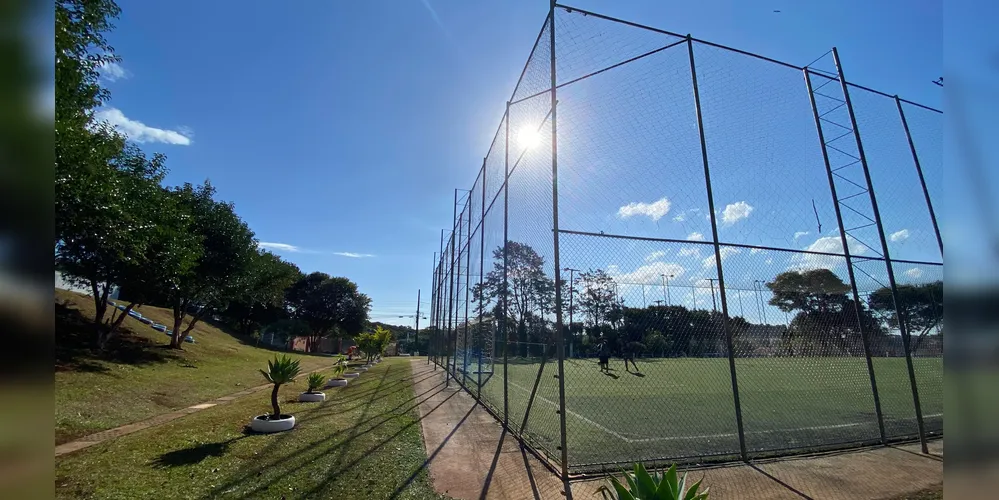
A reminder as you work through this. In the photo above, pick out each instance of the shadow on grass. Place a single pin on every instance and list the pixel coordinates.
(341, 440)
(194, 454)
(611, 375)
(75, 351)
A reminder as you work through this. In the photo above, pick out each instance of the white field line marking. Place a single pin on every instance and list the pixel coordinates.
(703, 436)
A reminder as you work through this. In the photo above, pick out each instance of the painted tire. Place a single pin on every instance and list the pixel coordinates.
(311, 397)
(261, 424)
(336, 383)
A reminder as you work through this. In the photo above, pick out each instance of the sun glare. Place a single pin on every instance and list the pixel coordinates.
(528, 137)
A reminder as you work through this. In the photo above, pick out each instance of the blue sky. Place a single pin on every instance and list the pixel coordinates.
(340, 129)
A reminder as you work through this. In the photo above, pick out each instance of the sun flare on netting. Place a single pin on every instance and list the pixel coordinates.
(751, 245)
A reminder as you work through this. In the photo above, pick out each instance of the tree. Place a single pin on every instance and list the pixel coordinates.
(216, 270)
(826, 322)
(529, 291)
(262, 301)
(921, 307)
(329, 305)
(656, 343)
(598, 301)
(281, 371)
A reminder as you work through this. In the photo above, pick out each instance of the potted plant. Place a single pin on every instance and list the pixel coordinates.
(281, 371)
(642, 485)
(338, 379)
(314, 394)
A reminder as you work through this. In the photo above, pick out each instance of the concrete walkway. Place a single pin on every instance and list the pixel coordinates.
(100, 437)
(471, 457)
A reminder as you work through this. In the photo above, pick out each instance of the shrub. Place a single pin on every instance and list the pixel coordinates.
(316, 382)
(339, 366)
(656, 486)
(281, 371)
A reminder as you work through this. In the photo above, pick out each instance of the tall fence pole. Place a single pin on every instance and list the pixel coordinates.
(433, 310)
(718, 258)
(417, 317)
(559, 330)
(506, 244)
(440, 306)
(903, 328)
(450, 307)
(468, 268)
(482, 262)
(849, 259)
(919, 171)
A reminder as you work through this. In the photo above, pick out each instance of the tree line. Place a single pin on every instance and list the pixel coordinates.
(118, 227)
(826, 320)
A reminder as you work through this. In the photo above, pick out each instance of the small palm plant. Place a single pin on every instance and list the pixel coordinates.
(656, 486)
(281, 371)
(315, 381)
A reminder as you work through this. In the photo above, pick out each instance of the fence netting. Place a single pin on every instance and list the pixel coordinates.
(675, 251)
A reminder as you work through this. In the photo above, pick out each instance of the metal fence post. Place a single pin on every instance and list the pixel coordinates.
(919, 171)
(506, 244)
(903, 329)
(849, 259)
(717, 247)
(482, 262)
(433, 311)
(450, 307)
(468, 273)
(440, 305)
(559, 333)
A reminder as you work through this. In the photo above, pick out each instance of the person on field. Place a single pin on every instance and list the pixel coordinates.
(631, 349)
(604, 354)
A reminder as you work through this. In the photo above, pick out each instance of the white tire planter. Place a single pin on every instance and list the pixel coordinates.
(361, 368)
(312, 397)
(351, 375)
(341, 382)
(261, 423)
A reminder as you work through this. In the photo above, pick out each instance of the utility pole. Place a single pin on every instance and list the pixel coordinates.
(416, 346)
(714, 305)
(758, 285)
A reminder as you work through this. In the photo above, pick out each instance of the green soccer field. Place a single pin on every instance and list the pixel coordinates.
(683, 408)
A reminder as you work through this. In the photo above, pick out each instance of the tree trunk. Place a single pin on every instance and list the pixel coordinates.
(274, 402)
(178, 318)
(113, 327)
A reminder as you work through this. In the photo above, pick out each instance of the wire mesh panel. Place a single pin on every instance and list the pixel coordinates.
(768, 324)
(800, 357)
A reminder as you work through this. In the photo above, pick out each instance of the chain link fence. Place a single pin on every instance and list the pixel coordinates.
(676, 251)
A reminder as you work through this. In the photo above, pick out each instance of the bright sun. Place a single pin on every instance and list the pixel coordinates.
(528, 137)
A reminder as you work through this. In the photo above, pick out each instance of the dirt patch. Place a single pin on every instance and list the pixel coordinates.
(471, 457)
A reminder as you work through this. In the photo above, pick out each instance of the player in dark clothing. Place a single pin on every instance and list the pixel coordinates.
(631, 349)
(604, 355)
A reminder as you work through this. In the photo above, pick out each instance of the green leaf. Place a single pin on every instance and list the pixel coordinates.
(671, 482)
(622, 493)
(646, 486)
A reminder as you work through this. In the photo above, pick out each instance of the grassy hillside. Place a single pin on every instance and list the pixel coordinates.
(139, 376)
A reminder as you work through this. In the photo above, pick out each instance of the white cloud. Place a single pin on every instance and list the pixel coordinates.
(289, 248)
(140, 132)
(680, 217)
(735, 212)
(770, 261)
(655, 210)
(281, 247)
(725, 252)
(799, 234)
(695, 236)
(899, 236)
(353, 255)
(826, 244)
(113, 71)
(914, 273)
(654, 256)
(651, 274)
(687, 252)
(755, 251)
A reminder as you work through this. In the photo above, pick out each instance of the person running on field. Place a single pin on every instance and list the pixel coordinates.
(631, 349)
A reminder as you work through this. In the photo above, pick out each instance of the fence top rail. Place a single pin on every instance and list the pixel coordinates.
(570, 8)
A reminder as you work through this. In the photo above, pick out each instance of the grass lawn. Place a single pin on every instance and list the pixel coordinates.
(364, 441)
(683, 408)
(140, 376)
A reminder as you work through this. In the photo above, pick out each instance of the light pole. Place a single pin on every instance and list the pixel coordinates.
(714, 305)
(758, 286)
(572, 289)
(666, 288)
